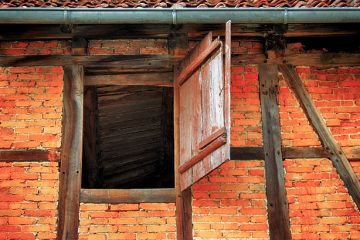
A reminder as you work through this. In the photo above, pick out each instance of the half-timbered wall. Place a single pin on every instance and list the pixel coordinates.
(229, 203)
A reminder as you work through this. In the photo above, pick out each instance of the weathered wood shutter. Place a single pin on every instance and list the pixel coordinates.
(204, 86)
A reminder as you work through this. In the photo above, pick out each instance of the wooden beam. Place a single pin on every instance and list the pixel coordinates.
(218, 133)
(183, 198)
(113, 70)
(165, 61)
(27, 156)
(144, 79)
(257, 153)
(120, 61)
(306, 59)
(217, 143)
(277, 204)
(337, 155)
(71, 154)
(158, 195)
(126, 31)
(79, 46)
(304, 152)
(247, 153)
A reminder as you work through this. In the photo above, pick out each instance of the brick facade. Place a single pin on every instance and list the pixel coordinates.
(230, 203)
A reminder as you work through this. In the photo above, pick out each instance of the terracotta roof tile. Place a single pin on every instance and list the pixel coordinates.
(183, 3)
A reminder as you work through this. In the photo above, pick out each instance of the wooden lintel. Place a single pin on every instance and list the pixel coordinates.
(337, 155)
(120, 61)
(27, 156)
(144, 79)
(305, 59)
(158, 195)
(71, 154)
(277, 204)
(165, 61)
(93, 71)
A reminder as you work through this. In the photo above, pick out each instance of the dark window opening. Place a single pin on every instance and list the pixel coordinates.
(128, 137)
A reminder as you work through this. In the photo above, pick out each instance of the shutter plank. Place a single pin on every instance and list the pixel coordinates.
(205, 94)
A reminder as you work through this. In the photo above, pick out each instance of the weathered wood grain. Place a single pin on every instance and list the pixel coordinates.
(202, 106)
(71, 154)
(27, 156)
(198, 61)
(131, 79)
(205, 152)
(277, 205)
(227, 85)
(183, 198)
(257, 153)
(158, 195)
(120, 61)
(212, 138)
(306, 59)
(337, 155)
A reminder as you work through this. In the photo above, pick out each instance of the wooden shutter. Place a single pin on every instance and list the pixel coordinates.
(204, 92)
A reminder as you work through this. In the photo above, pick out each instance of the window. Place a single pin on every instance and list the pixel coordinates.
(128, 137)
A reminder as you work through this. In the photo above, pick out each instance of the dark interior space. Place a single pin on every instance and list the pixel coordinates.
(128, 137)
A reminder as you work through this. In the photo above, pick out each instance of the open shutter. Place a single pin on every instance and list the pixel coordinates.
(204, 89)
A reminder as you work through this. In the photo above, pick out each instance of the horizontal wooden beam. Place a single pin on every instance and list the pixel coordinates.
(27, 156)
(158, 195)
(257, 153)
(50, 32)
(306, 59)
(129, 62)
(120, 61)
(144, 79)
(90, 71)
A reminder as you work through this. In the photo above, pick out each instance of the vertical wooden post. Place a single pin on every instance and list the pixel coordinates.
(337, 155)
(71, 153)
(183, 198)
(177, 47)
(277, 203)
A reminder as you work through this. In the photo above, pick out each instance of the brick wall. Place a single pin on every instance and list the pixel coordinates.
(127, 221)
(230, 203)
(28, 200)
(31, 115)
(30, 107)
(319, 204)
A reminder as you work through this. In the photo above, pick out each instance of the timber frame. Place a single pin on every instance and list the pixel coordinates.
(84, 70)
